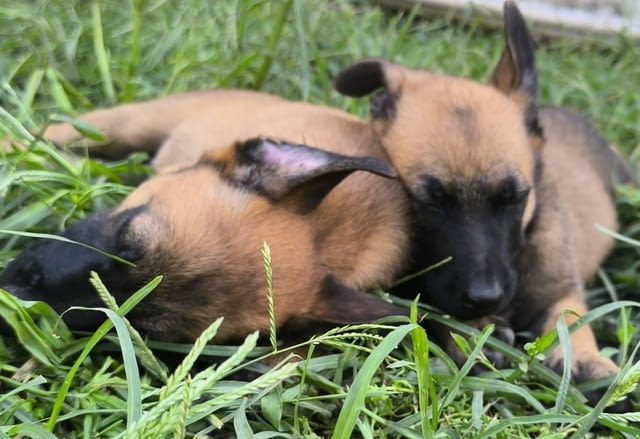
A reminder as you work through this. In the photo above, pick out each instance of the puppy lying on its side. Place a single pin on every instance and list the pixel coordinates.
(510, 191)
(201, 222)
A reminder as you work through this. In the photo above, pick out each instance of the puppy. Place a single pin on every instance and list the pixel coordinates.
(509, 190)
(202, 221)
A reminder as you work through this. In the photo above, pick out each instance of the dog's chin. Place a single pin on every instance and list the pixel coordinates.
(473, 313)
(463, 312)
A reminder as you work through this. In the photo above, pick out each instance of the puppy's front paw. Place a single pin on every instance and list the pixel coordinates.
(588, 366)
(585, 365)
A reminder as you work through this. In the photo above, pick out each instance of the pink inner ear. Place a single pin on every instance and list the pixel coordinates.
(292, 157)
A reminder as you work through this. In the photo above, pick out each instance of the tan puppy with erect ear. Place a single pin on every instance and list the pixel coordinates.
(509, 190)
(336, 223)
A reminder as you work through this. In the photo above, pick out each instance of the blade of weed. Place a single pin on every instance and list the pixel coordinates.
(240, 422)
(127, 306)
(68, 241)
(593, 416)
(425, 386)
(132, 63)
(84, 128)
(272, 44)
(30, 430)
(101, 52)
(493, 431)
(134, 391)
(271, 310)
(354, 402)
(17, 313)
(33, 85)
(189, 361)
(57, 91)
(565, 344)
(453, 389)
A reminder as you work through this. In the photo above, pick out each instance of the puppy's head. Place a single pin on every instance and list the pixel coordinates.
(468, 155)
(202, 228)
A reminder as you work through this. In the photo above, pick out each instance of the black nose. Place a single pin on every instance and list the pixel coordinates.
(483, 297)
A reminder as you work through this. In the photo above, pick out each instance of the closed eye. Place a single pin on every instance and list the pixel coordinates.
(512, 192)
(432, 192)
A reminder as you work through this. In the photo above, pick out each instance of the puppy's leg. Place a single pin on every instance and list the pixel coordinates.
(586, 362)
(128, 128)
(144, 126)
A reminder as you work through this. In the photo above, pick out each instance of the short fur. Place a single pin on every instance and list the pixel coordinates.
(201, 222)
(509, 190)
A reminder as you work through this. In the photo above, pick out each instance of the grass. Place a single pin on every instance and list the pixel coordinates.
(64, 57)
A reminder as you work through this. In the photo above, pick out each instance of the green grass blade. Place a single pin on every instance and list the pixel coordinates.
(241, 424)
(272, 44)
(272, 407)
(453, 389)
(565, 382)
(189, 361)
(68, 241)
(354, 402)
(131, 66)
(18, 313)
(57, 91)
(35, 382)
(493, 431)
(183, 410)
(30, 430)
(127, 306)
(100, 52)
(134, 391)
(425, 385)
(266, 259)
(84, 128)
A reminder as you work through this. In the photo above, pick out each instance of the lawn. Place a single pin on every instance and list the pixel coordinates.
(60, 58)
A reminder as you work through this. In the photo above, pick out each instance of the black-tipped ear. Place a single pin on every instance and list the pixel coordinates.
(297, 174)
(341, 305)
(516, 70)
(368, 76)
(362, 78)
(516, 74)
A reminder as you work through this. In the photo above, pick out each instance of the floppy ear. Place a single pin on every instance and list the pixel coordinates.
(369, 75)
(516, 74)
(341, 305)
(297, 174)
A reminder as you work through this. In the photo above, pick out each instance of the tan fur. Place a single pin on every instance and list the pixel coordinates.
(460, 131)
(453, 146)
(567, 250)
(468, 137)
(196, 221)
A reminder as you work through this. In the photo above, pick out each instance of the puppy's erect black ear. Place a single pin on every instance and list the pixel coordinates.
(516, 70)
(362, 78)
(299, 175)
(369, 75)
(516, 74)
